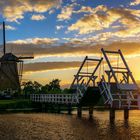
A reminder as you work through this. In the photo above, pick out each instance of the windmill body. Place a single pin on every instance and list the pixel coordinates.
(11, 68)
(9, 72)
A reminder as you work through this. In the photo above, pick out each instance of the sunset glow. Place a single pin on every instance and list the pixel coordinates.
(60, 33)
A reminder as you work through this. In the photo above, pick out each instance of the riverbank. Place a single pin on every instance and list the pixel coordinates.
(25, 105)
(16, 105)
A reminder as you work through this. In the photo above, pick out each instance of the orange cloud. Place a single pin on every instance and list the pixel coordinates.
(103, 17)
(13, 10)
(48, 47)
(66, 12)
(41, 66)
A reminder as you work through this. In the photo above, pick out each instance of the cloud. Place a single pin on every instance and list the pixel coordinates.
(42, 66)
(58, 27)
(38, 17)
(50, 47)
(98, 20)
(66, 13)
(13, 10)
(51, 11)
(7, 27)
(88, 9)
(102, 18)
(135, 2)
(36, 41)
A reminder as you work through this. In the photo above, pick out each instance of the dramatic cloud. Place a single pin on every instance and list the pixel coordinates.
(42, 66)
(13, 10)
(135, 2)
(38, 17)
(47, 47)
(65, 13)
(102, 18)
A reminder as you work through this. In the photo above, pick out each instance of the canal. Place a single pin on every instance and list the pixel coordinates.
(43, 126)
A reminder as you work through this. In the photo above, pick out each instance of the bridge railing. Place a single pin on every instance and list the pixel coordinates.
(55, 98)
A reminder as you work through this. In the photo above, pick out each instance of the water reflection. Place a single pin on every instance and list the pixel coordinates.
(64, 127)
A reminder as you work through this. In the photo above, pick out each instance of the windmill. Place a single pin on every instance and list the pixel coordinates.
(11, 68)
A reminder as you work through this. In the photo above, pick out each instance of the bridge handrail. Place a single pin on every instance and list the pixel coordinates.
(55, 98)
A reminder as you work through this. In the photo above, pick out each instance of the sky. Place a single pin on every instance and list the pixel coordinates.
(60, 33)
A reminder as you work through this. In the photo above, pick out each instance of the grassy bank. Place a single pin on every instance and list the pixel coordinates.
(15, 104)
(25, 105)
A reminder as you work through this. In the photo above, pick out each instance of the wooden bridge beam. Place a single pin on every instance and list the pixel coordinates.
(69, 108)
(126, 114)
(58, 108)
(112, 114)
(91, 112)
(79, 111)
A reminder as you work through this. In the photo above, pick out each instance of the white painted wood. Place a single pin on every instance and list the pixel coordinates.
(55, 98)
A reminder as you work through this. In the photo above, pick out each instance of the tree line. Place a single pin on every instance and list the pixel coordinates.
(52, 87)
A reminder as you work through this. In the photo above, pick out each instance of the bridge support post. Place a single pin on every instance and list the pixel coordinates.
(58, 108)
(69, 109)
(52, 108)
(91, 112)
(79, 111)
(43, 107)
(112, 114)
(126, 114)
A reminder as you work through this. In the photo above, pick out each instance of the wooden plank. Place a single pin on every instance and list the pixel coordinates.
(91, 59)
(108, 62)
(79, 71)
(94, 71)
(85, 73)
(119, 68)
(130, 73)
(115, 52)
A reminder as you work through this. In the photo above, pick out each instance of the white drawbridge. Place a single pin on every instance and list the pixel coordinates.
(118, 93)
(117, 86)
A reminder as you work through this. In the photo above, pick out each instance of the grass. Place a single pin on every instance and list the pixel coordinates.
(11, 101)
(15, 104)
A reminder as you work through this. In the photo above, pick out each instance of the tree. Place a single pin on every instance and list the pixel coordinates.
(34, 87)
(55, 84)
(52, 88)
(31, 88)
(37, 86)
(45, 89)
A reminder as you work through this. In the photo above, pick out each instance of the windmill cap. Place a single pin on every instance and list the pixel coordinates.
(9, 57)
